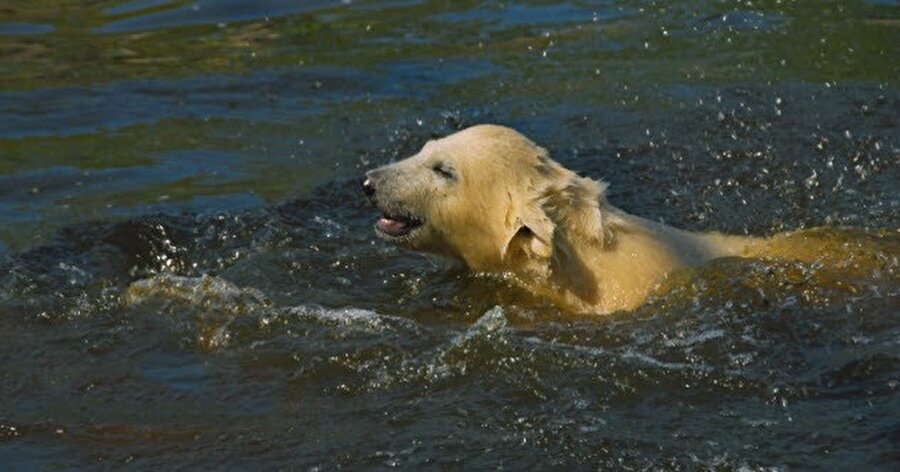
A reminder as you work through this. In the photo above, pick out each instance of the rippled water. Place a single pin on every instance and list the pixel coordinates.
(188, 275)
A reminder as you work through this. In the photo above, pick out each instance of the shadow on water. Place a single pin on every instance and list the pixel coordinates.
(188, 275)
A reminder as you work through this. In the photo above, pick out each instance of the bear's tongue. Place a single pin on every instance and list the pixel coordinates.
(392, 227)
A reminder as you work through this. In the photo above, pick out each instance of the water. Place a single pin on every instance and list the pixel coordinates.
(188, 275)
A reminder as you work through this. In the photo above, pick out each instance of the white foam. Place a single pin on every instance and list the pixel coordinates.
(207, 291)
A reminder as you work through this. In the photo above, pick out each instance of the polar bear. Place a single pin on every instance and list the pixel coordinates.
(491, 198)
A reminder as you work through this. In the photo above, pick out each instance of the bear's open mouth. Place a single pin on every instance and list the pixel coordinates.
(396, 226)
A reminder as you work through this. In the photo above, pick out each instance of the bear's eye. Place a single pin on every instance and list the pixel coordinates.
(444, 169)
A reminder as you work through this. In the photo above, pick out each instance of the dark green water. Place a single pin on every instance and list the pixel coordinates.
(214, 146)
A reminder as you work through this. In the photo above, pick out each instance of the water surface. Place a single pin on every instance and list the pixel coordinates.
(188, 275)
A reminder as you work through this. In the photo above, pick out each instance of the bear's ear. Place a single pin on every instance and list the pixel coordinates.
(531, 235)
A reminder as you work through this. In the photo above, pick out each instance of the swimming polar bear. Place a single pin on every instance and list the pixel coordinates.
(490, 197)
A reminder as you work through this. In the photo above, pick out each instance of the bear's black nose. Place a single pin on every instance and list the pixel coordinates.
(368, 187)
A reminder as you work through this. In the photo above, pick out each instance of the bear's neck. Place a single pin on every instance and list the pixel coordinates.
(619, 270)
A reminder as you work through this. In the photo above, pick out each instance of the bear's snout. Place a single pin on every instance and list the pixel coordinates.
(369, 183)
(368, 186)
